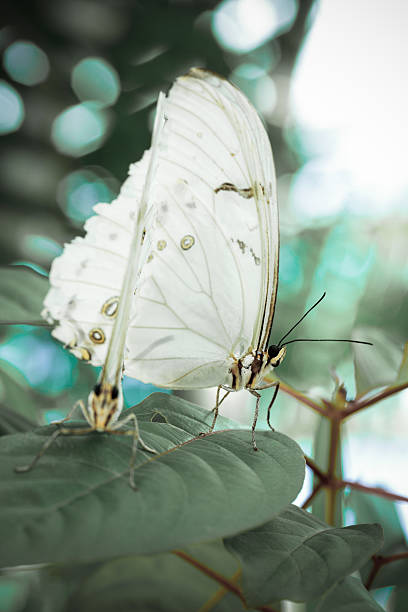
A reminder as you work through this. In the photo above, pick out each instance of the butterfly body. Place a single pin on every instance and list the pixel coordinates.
(250, 371)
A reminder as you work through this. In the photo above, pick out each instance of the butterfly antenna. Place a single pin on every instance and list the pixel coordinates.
(326, 340)
(300, 320)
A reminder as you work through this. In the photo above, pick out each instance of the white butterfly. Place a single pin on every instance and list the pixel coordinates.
(203, 309)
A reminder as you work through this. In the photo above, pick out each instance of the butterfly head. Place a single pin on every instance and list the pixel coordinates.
(276, 354)
(105, 403)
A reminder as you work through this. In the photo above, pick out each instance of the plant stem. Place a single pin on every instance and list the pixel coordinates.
(358, 405)
(222, 580)
(315, 469)
(332, 471)
(375, 490)
(302, 398)
(379, 561)
(313, 494)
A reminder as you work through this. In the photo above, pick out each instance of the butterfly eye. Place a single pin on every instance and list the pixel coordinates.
(98, 389)
(114, 392)
(273, 351)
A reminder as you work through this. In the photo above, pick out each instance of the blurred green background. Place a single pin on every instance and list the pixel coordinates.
(77, 93)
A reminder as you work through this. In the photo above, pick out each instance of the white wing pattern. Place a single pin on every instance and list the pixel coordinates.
(86, 279)
(208, 289)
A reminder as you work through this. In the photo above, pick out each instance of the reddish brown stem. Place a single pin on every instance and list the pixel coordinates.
(358, 405)
(375, 490)
(222, 580)
(315, 469)
(379, 561)
(302, 398)
(313, 494)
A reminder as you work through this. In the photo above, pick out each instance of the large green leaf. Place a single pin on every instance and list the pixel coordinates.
(296, 556)
(164, 581)
(22, 295)
(349, 595)
(158, 582)
(77, 505)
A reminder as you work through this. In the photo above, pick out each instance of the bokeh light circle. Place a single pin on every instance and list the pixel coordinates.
(12, 109)
(93, 78)
(26, 63)
(80, 129)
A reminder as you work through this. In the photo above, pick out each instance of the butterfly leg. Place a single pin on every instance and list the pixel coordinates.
(135, 433)
(218, 403)
(258, 397)
(52, 438)
(271, 404)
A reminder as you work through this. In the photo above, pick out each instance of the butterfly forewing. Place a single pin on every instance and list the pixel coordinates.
(208, 288)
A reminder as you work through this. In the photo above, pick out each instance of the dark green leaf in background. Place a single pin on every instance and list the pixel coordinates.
(295, 556)
(400, 600)
(22, 295)
(162, 582)
(372, 508)
(77, 505)
(402, 376)
(154, 582)
(376, 366)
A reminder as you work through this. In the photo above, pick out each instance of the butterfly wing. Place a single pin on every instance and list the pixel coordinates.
(86, 279)
(208, 289)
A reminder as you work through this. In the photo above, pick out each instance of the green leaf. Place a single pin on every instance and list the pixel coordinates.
(402, 376)
(22, 296)
(378, 365)
(295, 556)
(163, 581)
(374, 508)
(400, 600)
(370, 508)
(158, 582)
(77, 504)
(13, 594)
(18, 400)
(349, 595)
(13, 422)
